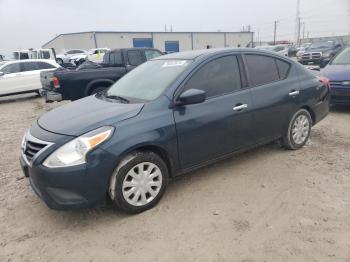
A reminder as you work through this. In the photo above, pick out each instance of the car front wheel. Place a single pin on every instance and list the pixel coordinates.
(299, 130)
(139, 182)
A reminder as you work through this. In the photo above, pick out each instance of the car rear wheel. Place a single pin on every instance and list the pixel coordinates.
(139, 182)
(299, 130)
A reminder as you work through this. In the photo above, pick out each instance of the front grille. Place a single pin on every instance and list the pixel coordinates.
(32, 147)
(340, 85)
(306, 56)
(316, 55)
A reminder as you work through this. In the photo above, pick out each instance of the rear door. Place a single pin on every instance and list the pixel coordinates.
(275, 94)
(221, 124)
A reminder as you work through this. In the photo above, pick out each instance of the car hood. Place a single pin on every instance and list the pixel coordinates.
(325, 49)
(337, 72)
(86, 114)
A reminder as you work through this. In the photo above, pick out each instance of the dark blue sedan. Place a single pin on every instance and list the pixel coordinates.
(169, 116)
(338, 72)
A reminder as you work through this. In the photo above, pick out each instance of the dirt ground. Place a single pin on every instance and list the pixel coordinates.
(268, 204)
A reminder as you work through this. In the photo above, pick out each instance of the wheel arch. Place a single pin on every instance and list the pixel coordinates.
(311, 112)
(100, 82)
(159, 150)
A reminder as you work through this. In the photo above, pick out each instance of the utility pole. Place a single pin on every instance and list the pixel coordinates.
(299, 27)
(274, 32)
(297, 23)
(303, 30)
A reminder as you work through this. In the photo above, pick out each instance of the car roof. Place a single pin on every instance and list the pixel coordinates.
(132, 48)
(192, 55)
(31, 60)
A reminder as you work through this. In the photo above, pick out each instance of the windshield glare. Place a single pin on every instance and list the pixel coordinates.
(326, 44)
(343, 58)
(149, 80)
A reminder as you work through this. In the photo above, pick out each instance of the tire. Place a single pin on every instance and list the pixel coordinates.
(131, 192)
(59, 61)
(299, 130)
(97, 89)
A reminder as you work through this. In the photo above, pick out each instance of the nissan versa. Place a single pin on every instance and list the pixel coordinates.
(168, 116)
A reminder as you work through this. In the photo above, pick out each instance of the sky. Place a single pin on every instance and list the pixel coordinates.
(31, 23)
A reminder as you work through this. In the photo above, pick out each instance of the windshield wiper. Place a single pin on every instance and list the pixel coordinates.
(120, 98)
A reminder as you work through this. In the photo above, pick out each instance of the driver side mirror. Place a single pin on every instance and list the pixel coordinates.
(2, 73)
(191, 96)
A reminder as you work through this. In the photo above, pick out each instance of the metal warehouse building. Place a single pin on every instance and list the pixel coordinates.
(164, 41)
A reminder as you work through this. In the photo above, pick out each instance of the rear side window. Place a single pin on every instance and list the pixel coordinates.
(29, 66)
(283, 68)
(11, 69)
(218, 77)
(115, 58)
(45, 54)
(135, 58)
(43, 65)
(262, 69)
(152, 54)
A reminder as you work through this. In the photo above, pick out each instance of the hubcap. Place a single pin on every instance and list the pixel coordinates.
(300, 130)
(142, 184)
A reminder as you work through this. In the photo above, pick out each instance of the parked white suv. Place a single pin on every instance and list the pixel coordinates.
(95, 55)
(64, 58)
(23, 76)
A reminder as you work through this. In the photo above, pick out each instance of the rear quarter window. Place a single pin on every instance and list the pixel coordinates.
(283, 68)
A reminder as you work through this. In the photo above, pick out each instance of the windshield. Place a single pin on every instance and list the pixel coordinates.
(149, 80)
(343, 58)
(325, 44)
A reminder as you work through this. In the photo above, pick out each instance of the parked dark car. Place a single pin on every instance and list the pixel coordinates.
(197, 107)
(65, 84)
(320, 53)
(338, 72)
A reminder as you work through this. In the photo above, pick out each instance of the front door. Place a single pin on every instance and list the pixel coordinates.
(221, 124)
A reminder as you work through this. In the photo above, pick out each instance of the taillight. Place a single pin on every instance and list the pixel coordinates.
(325, 81)
(56, 82)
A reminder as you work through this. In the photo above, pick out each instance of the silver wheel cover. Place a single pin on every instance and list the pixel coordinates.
(142, 184)
(300, 129)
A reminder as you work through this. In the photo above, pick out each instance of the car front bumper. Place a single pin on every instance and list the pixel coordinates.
(340, 96)
(74, 187)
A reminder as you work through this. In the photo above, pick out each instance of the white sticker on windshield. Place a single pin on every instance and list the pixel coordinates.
(175, 63)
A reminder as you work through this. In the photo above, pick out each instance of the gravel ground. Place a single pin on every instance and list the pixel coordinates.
(268, 204)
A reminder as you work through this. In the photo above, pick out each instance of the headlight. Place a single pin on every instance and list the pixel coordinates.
(326, 55)
(74, 152)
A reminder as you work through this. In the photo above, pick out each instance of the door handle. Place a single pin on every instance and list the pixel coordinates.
(240, 107)
(294, 93)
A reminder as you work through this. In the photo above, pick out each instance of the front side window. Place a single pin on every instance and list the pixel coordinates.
(135, 58)
(262, 69)
(149, 80)
(150, 54)
(11, 69)
(218, 77)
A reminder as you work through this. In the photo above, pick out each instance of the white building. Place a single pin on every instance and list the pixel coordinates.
(164, 41)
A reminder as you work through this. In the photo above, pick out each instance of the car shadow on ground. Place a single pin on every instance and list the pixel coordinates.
(110, 214)
(18, 98)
